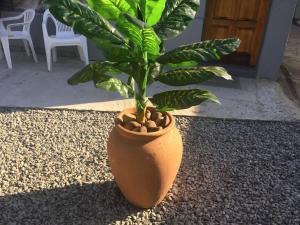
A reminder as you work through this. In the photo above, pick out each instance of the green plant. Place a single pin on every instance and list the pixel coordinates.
(131, 33)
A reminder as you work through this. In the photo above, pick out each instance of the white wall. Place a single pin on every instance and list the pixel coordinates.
(278, 26)
(297, 12)
(27, 4)
(276, 35)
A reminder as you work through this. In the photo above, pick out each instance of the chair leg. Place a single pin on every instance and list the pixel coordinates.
(26, 47)
(32, 50)
(80, 51)
(1, 52)
(54, 54)
(85, 56)
(5, 44)
(48, 56)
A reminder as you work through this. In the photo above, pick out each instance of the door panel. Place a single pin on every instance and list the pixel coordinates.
(221, 10)
(246, 35)
(244, 19)
(220, 31)
(248, 10)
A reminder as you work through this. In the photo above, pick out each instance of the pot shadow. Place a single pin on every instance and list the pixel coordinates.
(90, 204)
(9, 110)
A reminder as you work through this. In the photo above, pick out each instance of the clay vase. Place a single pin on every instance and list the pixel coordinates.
(145, 165)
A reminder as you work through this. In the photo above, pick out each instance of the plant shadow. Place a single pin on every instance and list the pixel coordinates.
(100, 203)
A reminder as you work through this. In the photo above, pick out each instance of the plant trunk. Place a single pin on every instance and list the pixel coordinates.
(142, 93)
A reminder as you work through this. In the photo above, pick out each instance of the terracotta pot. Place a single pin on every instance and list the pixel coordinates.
(145, 165)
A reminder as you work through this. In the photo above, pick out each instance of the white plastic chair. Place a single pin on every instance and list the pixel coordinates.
(23, 33)
(64, 36)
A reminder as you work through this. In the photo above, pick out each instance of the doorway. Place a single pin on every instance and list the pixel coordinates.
(238, 18)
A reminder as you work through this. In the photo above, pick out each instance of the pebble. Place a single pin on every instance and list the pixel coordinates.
(156, 115)
(148, 114)
(151, 124)
(143, 129)
(135, 124)
(155, 129)
(129, 117)
(56, 172)
(166, 121)
(137, 129)
(118, 121)
(129, 126)
(159, 121)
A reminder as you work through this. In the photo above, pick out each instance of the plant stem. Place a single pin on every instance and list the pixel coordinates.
(142, 95)
(130, 82)
(146, 73)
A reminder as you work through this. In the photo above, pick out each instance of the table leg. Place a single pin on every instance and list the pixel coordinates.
(5, 45)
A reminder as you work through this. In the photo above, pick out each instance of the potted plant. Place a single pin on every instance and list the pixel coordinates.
(144, 148)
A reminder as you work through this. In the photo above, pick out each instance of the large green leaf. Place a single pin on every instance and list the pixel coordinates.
(196, 75)
(182, 65)
(181, 99)
(114, 52)
(150, 41)
(112, 9)
(176, 17)
(89, 72)
(201, 51)
(152, 10)
(113, 84)
(141, 36)
(82, 76)
(84, 20)
(97, 72)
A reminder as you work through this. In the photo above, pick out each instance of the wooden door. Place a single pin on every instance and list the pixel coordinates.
(245, 19)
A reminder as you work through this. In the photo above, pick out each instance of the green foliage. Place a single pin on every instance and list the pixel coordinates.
(151, 10)
(182, 65)
(176, 17)
(201, 51)
(131, 33)
(112, 9)
(142, 37)
(113, 84)
(195, 75)
(98, 73)
(181, 99)
(115, 53)
(85, 21)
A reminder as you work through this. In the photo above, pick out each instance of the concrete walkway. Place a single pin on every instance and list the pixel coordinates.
(31, 85)
(291, 64)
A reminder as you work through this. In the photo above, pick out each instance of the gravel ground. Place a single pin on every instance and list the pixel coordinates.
(53, 170)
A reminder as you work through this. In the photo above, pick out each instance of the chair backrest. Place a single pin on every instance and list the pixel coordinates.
(28, 16)
(62, 30)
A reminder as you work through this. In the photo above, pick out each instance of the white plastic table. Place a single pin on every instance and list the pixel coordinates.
(5, 45)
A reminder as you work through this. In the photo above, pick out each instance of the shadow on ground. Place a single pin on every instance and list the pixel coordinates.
(232, 172)
(236, 172)
(87, 204)
(8, 110)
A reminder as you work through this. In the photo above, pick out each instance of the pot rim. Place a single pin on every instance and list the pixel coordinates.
(138, 134)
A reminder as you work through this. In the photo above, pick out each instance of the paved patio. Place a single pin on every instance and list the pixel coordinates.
(31, 85)
(291, 63)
